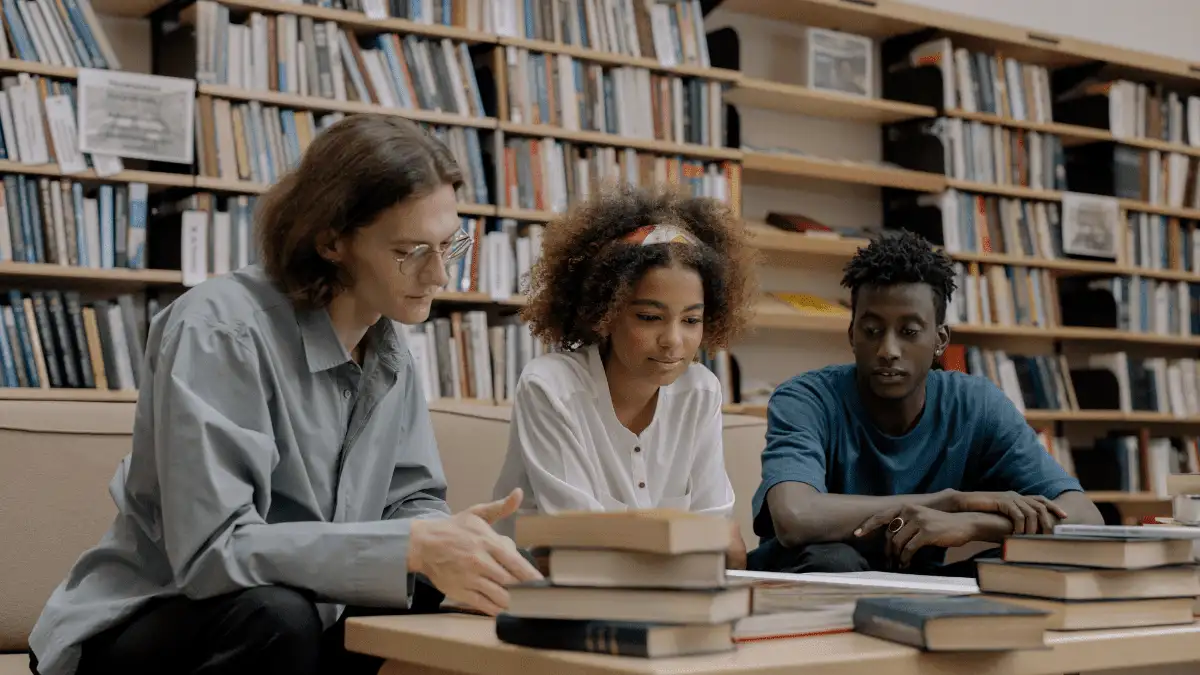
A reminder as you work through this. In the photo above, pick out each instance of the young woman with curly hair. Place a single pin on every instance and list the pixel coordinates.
(630, 287)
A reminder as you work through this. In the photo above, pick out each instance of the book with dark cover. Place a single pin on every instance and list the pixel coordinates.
(617, 638)
(960, 623)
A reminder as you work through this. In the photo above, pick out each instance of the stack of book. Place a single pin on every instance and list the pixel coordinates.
(1096, 581)
(647, 583)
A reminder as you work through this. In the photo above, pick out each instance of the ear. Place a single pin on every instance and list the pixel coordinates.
(943, 340)
(850, 333)
(331, 247)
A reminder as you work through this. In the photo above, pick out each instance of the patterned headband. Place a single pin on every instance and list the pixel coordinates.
(660, 234)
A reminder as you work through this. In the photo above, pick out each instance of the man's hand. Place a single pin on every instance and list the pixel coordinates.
(1029, 514)
(464, 558)
(910, 528)
(735, 556)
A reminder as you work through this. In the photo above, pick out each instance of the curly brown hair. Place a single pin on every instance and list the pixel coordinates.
(585, 273)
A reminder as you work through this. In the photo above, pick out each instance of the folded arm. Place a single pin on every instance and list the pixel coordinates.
(802, 515)
(214, 450)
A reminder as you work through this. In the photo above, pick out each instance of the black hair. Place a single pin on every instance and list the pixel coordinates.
(901, 257)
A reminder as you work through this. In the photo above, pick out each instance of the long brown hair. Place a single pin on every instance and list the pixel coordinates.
(355, 169)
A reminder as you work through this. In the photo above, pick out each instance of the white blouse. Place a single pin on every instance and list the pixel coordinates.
(568, 451)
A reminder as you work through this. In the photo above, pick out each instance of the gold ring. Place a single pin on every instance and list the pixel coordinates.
(895, 525)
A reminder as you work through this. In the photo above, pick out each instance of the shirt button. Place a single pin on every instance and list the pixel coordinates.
(637, 449)
(642, 484)
(346, 393)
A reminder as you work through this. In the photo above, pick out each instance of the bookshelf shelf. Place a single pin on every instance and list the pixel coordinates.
(243, 187)
(479, 298)
(895, 17)
(63, 394)
(332, 105)
(527, 215)
(89, 276)
(755, 93)
(486, 210)
(38, 68)
(614, 59)
(359, 22)
(1016, 191)
(153, 178)
(770, 167)
(599, 138)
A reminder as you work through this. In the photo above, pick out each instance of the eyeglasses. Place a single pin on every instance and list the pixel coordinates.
(414, 261)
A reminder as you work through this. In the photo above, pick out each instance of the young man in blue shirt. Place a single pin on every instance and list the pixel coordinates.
(885, 463)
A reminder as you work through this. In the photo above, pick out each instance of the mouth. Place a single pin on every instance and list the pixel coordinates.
(668, 362)
(888, 374)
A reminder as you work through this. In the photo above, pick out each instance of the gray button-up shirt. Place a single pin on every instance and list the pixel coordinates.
(262, 454)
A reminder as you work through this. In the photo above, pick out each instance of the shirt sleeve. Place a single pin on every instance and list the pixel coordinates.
(797, 431)
(1011, 456)
(214, 451)
(544, 435)
(418, 487)
(712, 493)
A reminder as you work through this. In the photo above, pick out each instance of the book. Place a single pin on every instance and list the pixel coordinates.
(1065, 582)
(1098, 614)
(542, 600)
(1112, 552)
(634, 569)
(1129, 531)
(618, 638)
(959, 623)
(663, 531)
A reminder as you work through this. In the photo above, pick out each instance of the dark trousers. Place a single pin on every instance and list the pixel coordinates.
(771, 556)
(270, 630)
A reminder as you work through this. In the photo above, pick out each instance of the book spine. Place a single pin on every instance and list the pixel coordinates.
(597, 637)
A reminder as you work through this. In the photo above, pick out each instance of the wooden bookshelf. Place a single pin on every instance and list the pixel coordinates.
(890, 18)
(151, 178)
(38, 68)
(317, 103)
(614, 59)
(790, 98)
(87, 276)
(600, 138)
(778, 167)
(65, 394)
(358, 21)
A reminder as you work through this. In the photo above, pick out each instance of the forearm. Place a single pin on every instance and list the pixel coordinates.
(1079, 509)
(347, 563)
(811, 517)
(989, 527)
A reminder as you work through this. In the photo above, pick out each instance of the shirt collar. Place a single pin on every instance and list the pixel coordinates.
(323, 350)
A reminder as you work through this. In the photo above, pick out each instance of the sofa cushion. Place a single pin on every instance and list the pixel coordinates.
(56, 460)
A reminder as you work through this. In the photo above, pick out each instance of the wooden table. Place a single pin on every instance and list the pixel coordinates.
(466, 645)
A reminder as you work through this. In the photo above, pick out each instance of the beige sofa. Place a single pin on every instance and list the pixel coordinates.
(57, 458)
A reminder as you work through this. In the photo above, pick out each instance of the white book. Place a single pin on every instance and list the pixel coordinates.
(869, 582)
(61, 116)
(27, 118)
(1129, 531)
(194, 244)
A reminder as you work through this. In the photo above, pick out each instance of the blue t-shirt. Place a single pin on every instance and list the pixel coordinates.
(970, 437)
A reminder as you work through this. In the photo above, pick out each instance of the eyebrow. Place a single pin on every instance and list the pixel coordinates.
(659, 305)
(912, 316)
(413, 242)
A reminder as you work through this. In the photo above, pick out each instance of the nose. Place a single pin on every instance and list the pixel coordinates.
(889, 348)
(436, 272)
(671, 337)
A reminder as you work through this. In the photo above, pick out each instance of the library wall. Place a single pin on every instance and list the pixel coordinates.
(1166, 27)
(770, 50)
